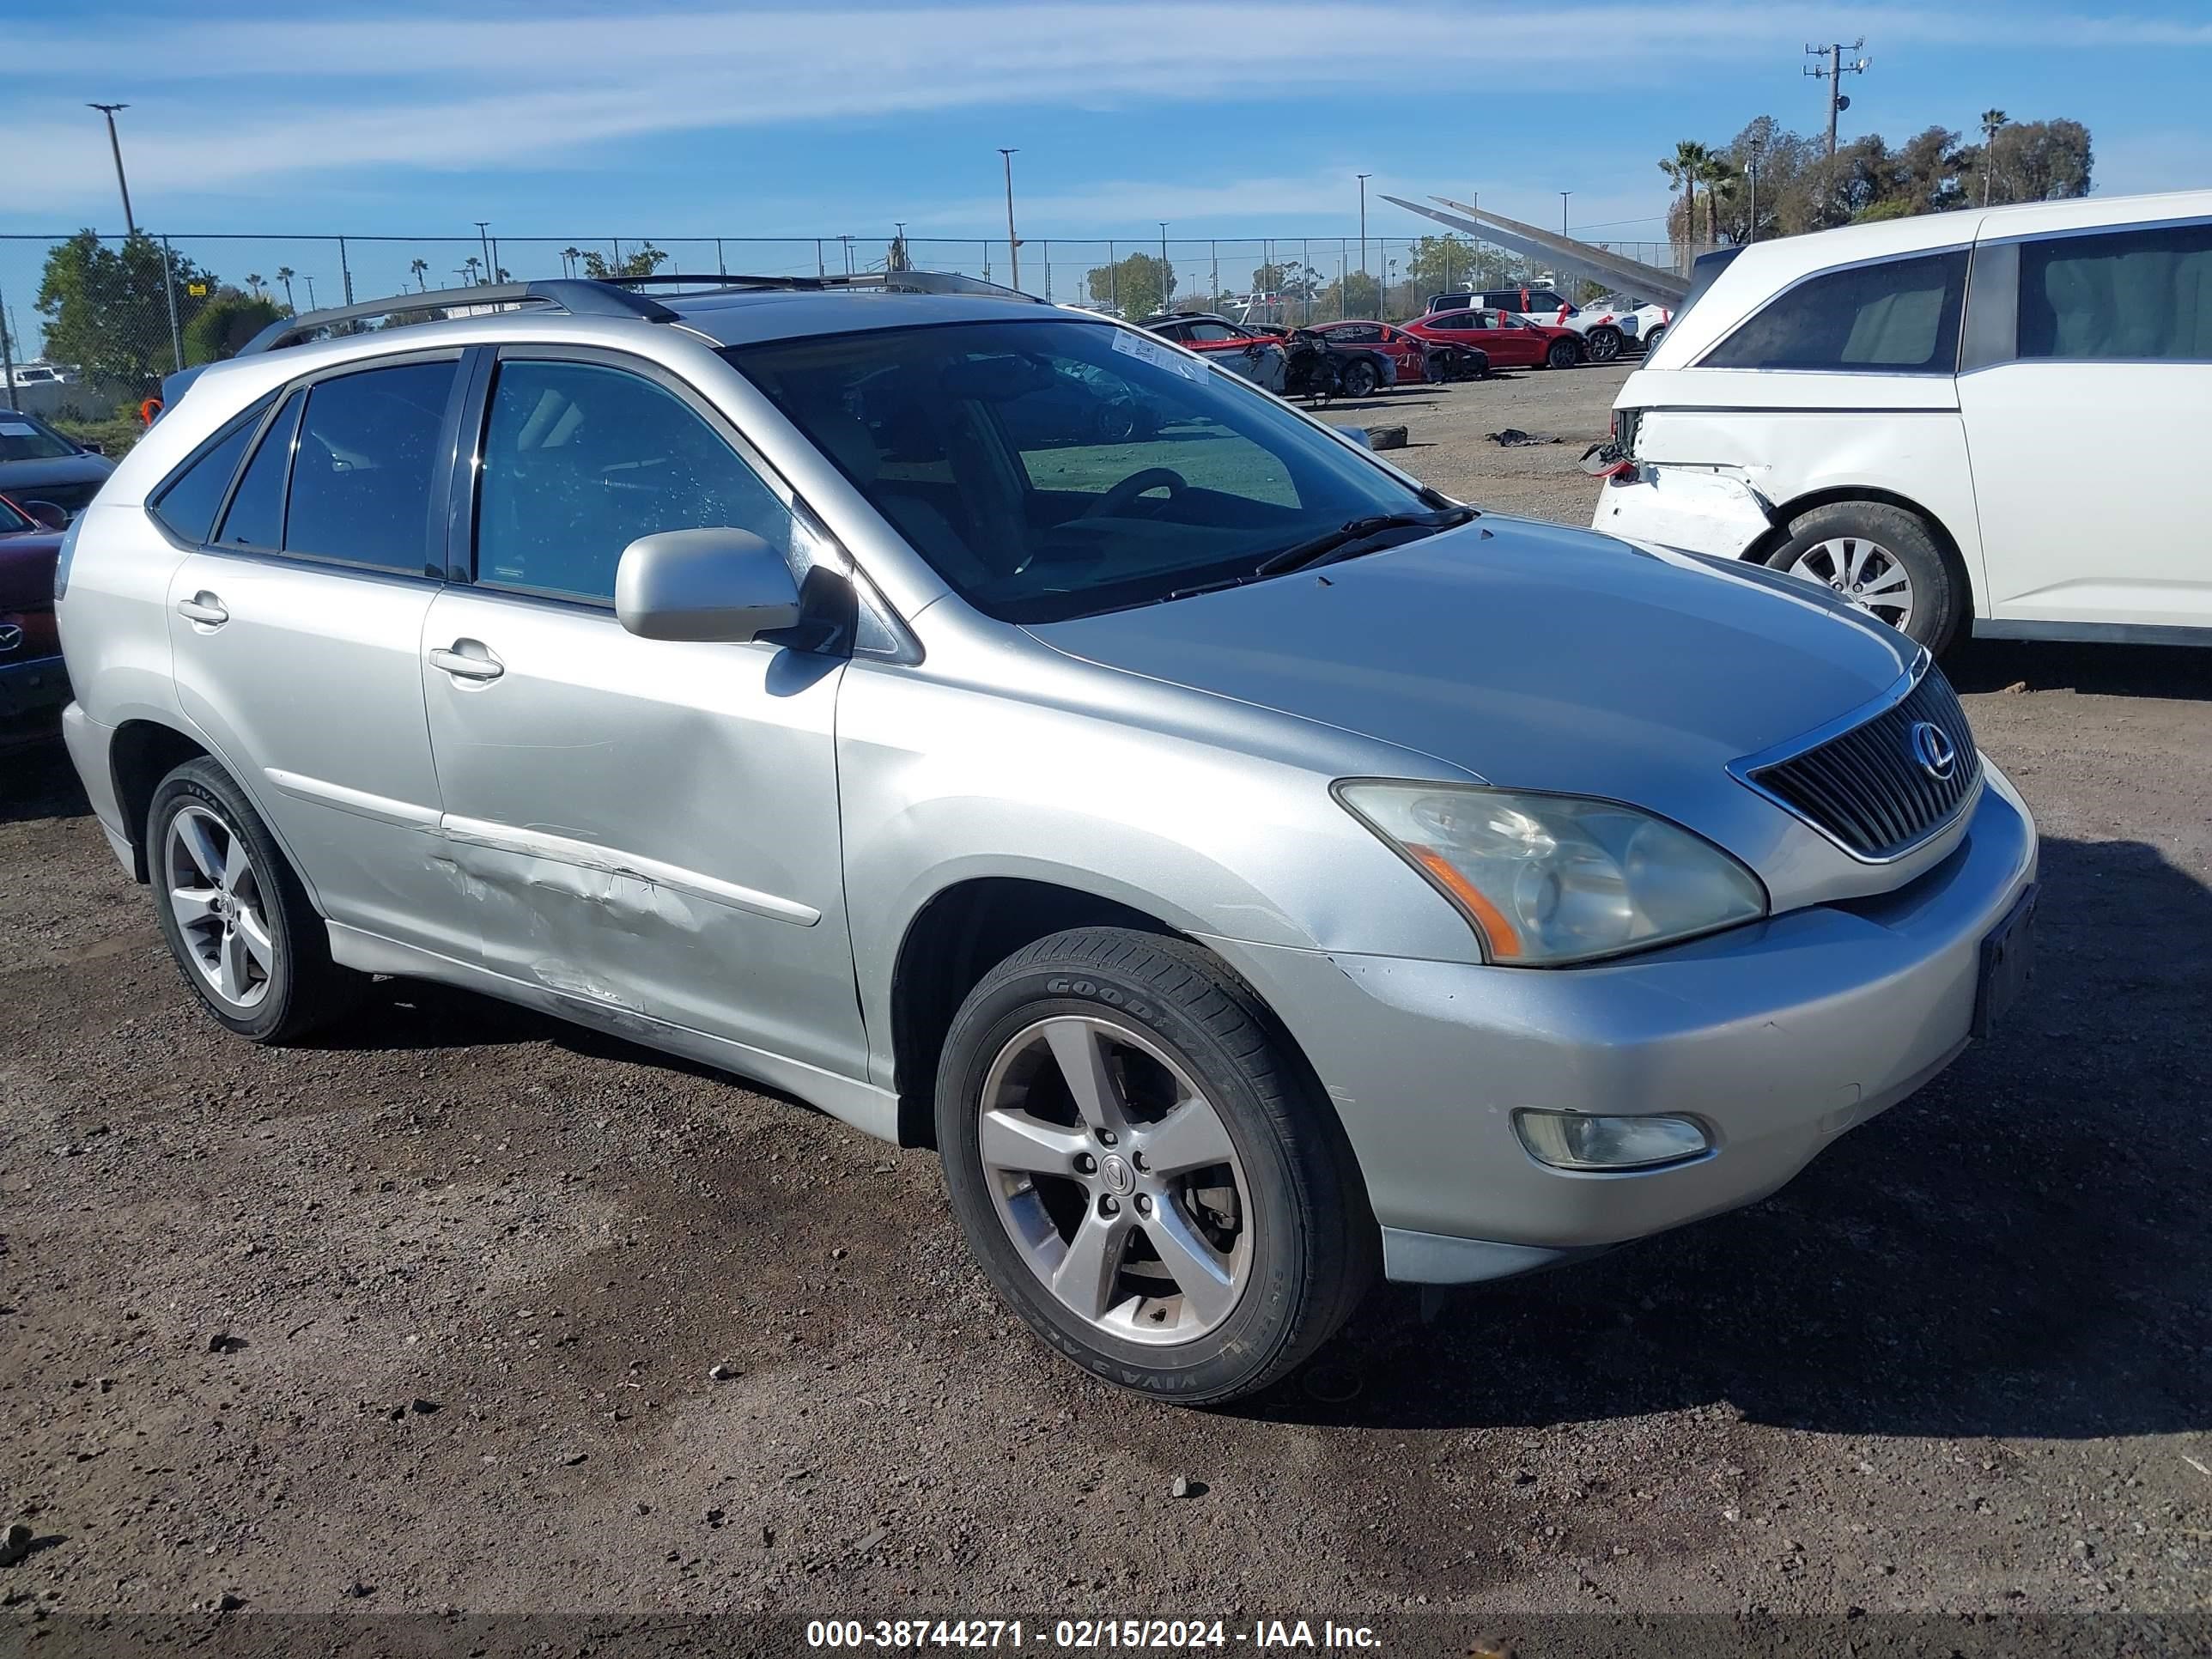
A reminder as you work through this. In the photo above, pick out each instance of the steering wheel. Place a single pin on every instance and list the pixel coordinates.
(1123, 496)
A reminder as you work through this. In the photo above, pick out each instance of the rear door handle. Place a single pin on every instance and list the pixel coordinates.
(204, 609)
(465, 663)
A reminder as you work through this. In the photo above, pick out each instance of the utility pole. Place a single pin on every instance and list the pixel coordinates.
(1013, 242)
(1563, 210)
(115, 146)
(1833, 72)
(1167, 276)
(1364, 177)
(484, 237)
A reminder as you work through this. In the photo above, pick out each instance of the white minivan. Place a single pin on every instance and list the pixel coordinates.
(1978, 422)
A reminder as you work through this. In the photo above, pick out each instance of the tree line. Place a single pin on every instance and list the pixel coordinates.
(1799, 187)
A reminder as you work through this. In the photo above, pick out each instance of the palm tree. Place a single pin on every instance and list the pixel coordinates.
(568, 258)
(1718, 175)
(284, 275)
(253, 281)
(1994, 121)
(1684, 169)
(472, 265)
(418, 266)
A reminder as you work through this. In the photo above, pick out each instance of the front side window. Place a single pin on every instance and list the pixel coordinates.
(1212, 331)
(580, 459)
(363, 468)
(1895, 316)
(2135, 295)
(1036, 506)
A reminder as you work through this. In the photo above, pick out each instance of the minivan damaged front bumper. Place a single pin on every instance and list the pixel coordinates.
(1696, 509)
(1776, 1037)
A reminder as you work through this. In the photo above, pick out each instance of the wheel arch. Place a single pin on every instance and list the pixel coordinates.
(139, 756)
(1785, 514)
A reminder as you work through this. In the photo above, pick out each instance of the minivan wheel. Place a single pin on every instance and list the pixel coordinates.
(1145, 1169)
(233, 914)
(1881, 560)
(1561, 354)
(1604, 344)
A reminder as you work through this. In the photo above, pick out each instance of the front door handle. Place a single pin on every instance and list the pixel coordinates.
(204, 609)
(467, 659)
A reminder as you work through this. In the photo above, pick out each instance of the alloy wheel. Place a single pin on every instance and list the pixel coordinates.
(216, 897)
(1864, 572)
(1116, 1180)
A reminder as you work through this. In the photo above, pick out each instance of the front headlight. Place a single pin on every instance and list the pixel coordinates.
(1550, 880)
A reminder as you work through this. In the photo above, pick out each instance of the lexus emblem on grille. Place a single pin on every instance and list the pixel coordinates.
(1934, 750)
(11, 637)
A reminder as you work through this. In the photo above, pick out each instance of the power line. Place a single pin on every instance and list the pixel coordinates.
(1833, 72)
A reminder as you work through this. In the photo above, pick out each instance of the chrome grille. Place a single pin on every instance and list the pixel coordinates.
(1869, 788)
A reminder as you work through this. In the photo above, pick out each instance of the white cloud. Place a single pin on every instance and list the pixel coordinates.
(224, 106)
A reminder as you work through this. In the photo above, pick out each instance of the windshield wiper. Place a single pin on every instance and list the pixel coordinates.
(1350, 540)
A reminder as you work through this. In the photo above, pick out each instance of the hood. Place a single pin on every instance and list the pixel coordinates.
(1532, 656)
(26, 569)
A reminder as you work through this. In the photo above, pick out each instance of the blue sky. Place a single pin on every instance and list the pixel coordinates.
(677, 118)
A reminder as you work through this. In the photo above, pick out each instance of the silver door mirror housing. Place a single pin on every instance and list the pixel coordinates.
(717, 584)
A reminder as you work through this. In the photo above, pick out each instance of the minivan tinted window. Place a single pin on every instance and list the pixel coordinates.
(2135, 295)
(188, 503)
(1894, 316)
(367, 454)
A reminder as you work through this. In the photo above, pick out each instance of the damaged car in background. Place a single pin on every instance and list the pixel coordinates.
(1291, 363)
(1957, 424)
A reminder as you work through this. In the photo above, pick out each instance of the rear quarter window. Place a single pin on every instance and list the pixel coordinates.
(187, 503)
(1890, 316)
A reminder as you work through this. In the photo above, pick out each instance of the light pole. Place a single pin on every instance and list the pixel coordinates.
(1013, 242)
(115, 145)
(1754, 170)
(1364, 177)
(1167, 278)
(483, 235)
(1563, 210)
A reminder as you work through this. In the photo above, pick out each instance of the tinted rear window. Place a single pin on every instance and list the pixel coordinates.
(1893, 316)
(187, 504)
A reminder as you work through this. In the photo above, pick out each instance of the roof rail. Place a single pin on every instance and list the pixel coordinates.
(578, 296)
(897, 282)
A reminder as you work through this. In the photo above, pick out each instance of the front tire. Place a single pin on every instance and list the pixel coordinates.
(1882, 561)
(234, 914)
(1359, 379)
(1604, 344)
(1561, 354)
(1145, 1169)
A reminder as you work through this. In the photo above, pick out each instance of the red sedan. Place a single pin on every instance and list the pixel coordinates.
(1508, 342)
(33, 684)
(1416, 359)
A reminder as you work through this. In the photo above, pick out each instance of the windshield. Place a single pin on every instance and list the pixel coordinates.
(22, 439)
(1055, 468)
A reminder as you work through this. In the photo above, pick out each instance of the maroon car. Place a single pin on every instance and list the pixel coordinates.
(33, 684)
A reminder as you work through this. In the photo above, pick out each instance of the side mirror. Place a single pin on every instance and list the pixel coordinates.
(717, 584)
(47, 514)
(94, 449)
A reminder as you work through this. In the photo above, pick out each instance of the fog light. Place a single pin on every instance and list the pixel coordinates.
(1574, 1140)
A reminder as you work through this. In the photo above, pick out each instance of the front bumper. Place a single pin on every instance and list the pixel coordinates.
(1778, 1036)
(1697, 510)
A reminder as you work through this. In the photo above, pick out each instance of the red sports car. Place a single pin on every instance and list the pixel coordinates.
(1415, 358)
(1508, 341)
(33, 684)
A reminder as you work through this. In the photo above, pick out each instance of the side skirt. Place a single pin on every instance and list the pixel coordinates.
(867, 1107)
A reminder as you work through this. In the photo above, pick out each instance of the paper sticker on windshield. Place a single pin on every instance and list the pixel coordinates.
(17, 429)
(1152, 351)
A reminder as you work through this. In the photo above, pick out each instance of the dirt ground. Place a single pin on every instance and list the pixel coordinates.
(422, 1318)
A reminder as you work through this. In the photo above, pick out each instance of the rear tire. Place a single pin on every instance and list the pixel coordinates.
(1561, 354)
(1883, 561)
(1604, 344)
(1107, 1097)
(1651, 340)
(1359, 379)
(234, 914)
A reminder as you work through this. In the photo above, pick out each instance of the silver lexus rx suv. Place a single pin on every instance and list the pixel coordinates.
(1254, 872)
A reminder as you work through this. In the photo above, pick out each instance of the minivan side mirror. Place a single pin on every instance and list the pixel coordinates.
(717, 584)
(47, 514)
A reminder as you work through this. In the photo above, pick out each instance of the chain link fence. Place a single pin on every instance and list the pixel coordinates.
(92, 324)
